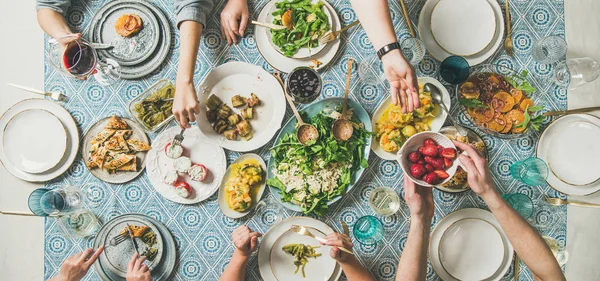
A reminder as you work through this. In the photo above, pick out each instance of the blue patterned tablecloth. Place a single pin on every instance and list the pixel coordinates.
(203, 233)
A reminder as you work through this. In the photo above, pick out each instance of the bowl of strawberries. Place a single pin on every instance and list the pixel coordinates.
(428, 158)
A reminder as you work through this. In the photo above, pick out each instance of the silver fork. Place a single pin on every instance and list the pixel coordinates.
(117, 240)
(178, 138)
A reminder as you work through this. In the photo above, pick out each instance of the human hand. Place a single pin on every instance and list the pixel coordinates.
(403, 80)
(478, 174)
(75, 267)
(234, 19)
(419, 200)
(339, 240)
(185, 104)
(245, 240)
(137, 270)
(68, 38)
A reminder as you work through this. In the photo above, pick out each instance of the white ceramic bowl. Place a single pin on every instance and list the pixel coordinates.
(413, 144)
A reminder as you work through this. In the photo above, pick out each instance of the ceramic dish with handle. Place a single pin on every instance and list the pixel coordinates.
(256, 191)
(460, 241)
(413, 144)
(270, 237)
(569, 145)
(463, 27)
(72, 140)
(284, 64)
(34, 140)
(435, 125)
(439, 53)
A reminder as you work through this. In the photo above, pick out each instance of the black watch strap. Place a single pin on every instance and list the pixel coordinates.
(388, 48)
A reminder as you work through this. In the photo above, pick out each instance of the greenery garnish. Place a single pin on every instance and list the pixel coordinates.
(472, 103)
(535, 122)
(520, 83)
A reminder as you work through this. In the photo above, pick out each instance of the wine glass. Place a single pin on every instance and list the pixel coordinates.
(81, 223)
(413, 50)
(370, 70)
(573, 73)
(75, 57)
(61, 201)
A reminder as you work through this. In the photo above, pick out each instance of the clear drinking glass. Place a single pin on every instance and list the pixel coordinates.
(549, 50)
(80, 223)
(267, 213)
(546, 216)
(521, 203)
(94, 194)
(384, 201)
(77, 58)
(413, 50)
(370, 70)
(454, 70)
(60, 201)
(559, 251)
(34, 202)
(368, 230)
(573, 73)
(532, 171)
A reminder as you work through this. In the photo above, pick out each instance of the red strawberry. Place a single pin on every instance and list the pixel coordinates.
(442, 174)
(431, 178)
(422, 161)
(447, 163)
(429, 168)
(449, 153)
(436, 162)
(430, 150)
(414, 156)
(429, 141)
(421, 149)
(417, 170)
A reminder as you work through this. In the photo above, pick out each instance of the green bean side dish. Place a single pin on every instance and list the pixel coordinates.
(302, 253)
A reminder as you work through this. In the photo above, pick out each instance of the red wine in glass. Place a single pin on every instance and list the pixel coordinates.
(79, 59)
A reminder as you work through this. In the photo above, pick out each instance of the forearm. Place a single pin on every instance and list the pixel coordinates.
(375, 18)
(53, 23)
(413, 262)
(527, 242)
(236, 269)
(189, 42)
(355, 271)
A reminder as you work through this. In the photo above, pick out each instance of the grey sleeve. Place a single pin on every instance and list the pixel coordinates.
(196, 10)
(60, 6)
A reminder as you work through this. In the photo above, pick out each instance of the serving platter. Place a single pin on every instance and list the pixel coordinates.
(424, 27)
(72, 140)
(312, 110)
(463, 241)
(271, 236)
(436, 124)
(581, 140)
(255, 196)
(34, 140)
(240, 78)
(118, 177)
(163, 269)
(199, 150)
(284, 64)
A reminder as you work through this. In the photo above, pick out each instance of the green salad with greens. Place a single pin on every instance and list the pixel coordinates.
(311, 176)
(305, 23)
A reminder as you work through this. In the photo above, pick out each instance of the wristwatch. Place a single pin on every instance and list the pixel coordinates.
(388, 48)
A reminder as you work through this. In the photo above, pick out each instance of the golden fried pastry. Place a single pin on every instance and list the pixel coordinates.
(128, 25)
(116, 123)
(136, 230)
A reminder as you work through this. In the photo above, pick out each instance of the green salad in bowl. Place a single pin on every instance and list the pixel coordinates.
(305, 21)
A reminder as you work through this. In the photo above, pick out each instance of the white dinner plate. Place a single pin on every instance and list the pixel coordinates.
(439, 53)
(282, 263)
(200, 151)
(255, 199)
(34, 140)
(302, 52)
(72, 140)
(471, 249)
(570, 145)
(436, 124)
(240, 78)
(120, 176)
(268, 241)
(463, 27)
(285, 64)
(466, 249)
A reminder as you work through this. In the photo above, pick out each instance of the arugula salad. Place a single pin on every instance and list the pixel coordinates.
(305, 23)
(311, 176)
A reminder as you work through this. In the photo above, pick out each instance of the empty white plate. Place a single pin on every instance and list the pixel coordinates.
(471, 249)
(575, 144)
(35, 141)
(463, 27)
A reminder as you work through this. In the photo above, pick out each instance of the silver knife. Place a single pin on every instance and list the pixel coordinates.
(133, 240)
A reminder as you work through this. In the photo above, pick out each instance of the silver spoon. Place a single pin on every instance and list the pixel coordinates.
(436, 96)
